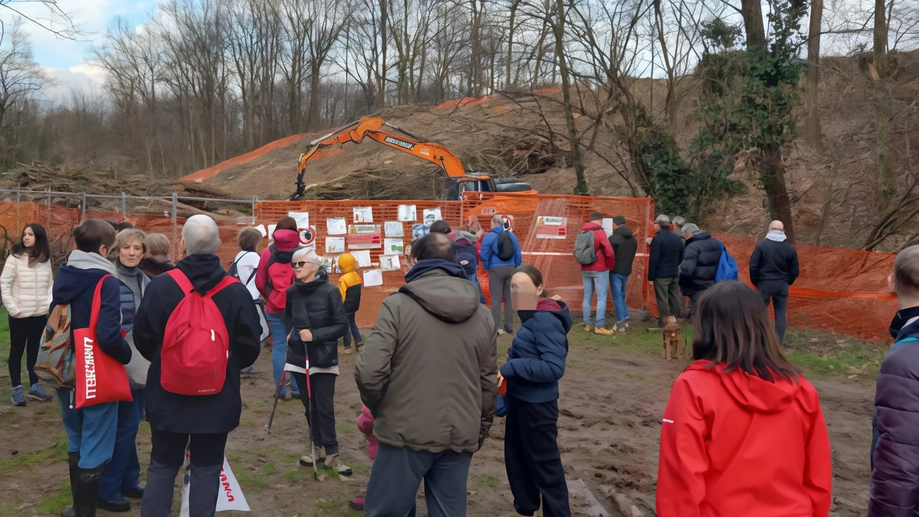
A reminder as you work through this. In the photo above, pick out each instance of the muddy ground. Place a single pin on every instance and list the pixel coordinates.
(612, 397)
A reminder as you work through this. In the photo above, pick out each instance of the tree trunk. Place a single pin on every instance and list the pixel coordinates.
(312, 119)
(574, 139)
(753, 23)
(773, 172)
(384, 44)
(813, 74)
(880, 37)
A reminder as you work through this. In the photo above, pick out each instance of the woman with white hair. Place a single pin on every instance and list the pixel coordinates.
(316, 316)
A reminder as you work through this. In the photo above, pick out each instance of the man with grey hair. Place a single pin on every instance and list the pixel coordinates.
(700, 263)
(774, 267)
(200, 422)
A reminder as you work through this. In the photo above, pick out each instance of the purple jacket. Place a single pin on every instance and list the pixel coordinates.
(895, 475)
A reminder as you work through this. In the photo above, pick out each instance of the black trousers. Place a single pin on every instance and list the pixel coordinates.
(531, 456)
(25, 336)
(777, 291)
(166, 460)
(322, 407)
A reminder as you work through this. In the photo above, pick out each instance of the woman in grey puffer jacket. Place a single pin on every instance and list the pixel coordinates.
(122, 475)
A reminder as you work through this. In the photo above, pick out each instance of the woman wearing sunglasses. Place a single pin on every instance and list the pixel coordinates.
(316, 316)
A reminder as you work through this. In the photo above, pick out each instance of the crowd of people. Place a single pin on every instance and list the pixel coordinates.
(185, 333)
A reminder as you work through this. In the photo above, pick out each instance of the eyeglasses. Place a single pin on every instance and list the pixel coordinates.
(298, 265)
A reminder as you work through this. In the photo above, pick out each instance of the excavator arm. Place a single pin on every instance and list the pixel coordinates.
(372, 128)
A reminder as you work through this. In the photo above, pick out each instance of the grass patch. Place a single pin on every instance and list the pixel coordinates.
(246, 421)
(9, 465)
(269, 469)
(293, 475)
(57, 502)
(640, 378)
(485, 481)
(288, 457)
(251, 479)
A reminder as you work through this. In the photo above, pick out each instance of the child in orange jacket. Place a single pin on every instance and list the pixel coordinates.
(350, 286)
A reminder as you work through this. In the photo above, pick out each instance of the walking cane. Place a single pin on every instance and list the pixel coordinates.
(277, 395)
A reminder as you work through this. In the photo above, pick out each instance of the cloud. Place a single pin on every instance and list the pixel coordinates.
(82, 77)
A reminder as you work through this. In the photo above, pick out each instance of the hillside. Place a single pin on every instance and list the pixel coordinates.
(833, 189)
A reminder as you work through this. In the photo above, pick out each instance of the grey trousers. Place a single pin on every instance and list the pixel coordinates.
(167, 458)
(397, 472)
(499, 285)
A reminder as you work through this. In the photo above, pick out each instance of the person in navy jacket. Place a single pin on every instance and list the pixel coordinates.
(535, 363)
(92, 429)
(895, 447)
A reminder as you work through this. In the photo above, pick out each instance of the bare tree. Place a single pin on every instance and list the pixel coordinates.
(21, 78)
(812, 102)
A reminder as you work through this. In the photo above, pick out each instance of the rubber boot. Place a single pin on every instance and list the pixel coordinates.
(85, 487)
(73, 460)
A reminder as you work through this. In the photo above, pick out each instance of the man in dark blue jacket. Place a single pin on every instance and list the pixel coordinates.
(774, 267)
(895, 447)
(664, 269)
(92, 429)
(700, 263)
(201, 422)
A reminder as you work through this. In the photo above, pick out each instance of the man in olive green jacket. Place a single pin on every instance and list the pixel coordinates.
(428, 376)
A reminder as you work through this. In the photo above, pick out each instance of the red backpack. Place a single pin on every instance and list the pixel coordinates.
(196, 345)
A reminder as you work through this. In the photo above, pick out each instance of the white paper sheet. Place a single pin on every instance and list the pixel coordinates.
(373, 277)
(394, 229)
(408, 213)
(271, 228)
(393, 246)
(302, 218)
(390, 263)
(608, 226)
(336, 226)
(262, 230)
(334, 244)
(362, 257)
(363, 214)
(431, 215)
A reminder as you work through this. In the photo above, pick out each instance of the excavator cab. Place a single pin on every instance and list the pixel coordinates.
(473, 183)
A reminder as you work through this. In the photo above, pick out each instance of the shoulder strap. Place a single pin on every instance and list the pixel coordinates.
(180, 278)
(223, 284)
(251, 276)
(97, 304)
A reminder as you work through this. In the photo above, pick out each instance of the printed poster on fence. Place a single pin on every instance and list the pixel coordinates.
(362, 257)
(373, 277)
(407, 213)
(302, 218)
(364, 237)
(393, 246)
(390, 263)
(363, 214)
(393, 229)
(229, 498)
(336, 226)
(431, 215)
(335, 245)
(548, 227)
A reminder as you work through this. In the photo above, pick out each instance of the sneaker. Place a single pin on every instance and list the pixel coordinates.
(357, 504)
(332, 461)
(18, 399)
(587, 328)
(604, 332)
(36, 393)
(347, 350)
(307, 461)
(250, 371)
(501, 332)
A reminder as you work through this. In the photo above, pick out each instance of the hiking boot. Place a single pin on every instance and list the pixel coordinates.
(587, 328)
(36, 393)
(332, 461)
(133, 493)
(357, 504)
(347, 350)
(604, 332)
(120, 506)
(18, 399)
(501, 332)
(307, 461)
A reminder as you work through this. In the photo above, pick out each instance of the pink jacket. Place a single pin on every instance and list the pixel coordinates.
(365, 425)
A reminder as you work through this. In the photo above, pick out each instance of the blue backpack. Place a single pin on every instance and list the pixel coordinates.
(727, 266)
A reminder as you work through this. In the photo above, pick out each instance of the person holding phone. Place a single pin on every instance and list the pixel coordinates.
(535, 363)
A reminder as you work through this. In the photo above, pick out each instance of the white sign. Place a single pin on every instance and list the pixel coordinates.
(373, 277)
(334, 244)
(302, 218)
(431, 215)
(261, 229)
(336, 226)
(408, 213)
(362, 257)
(608, 226)
(229, 498)
(394, 229)
(390, 263)
(393, 246)
(363, 214)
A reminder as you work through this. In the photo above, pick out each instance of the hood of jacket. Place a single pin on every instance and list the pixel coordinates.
(556, 308)
(347, 263)
(286, 240)
(701, 235)
(83, 271)
(441, 288)
(905, 324)
(464, 238)
(624, 231)
(591, 226)
(776, 235)
(203, 271)
(753, 393)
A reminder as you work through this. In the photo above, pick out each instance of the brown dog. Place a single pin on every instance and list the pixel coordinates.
(672, 336)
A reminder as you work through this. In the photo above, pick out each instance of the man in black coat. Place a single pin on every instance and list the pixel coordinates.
(664, 269)
(206, 420)
(774, 267)
(625, 245)
(700, 263)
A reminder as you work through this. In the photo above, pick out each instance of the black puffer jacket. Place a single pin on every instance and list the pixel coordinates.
(316, 306)
(700, 263)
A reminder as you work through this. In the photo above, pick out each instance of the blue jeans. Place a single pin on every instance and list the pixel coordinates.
(91, 431)
(278, 330)
(352, 331)
(598, 280)
(124, 469)
(617, 285)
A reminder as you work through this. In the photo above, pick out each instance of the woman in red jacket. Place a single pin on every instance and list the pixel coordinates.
(743, 432)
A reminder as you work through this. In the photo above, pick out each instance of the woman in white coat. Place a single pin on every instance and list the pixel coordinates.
(26, 288)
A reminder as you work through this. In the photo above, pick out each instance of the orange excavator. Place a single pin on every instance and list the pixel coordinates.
(458, 180)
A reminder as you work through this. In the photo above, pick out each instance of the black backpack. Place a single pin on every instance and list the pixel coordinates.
(234, 270)
(506, 249)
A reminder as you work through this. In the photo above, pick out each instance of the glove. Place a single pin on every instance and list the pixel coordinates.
(484, 429)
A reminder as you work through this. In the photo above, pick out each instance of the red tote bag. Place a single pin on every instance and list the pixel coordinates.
(100, 377)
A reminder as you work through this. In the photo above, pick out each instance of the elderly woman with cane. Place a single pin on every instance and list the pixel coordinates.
(316, 316)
